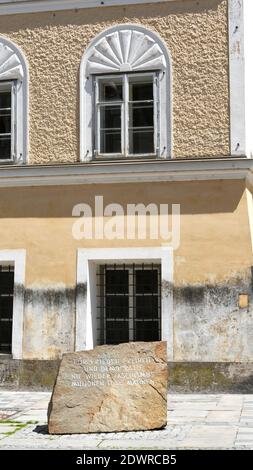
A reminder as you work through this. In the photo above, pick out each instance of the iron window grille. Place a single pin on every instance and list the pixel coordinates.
(6, 308)
(128, 303)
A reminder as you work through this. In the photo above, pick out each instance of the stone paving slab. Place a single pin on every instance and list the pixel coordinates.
(194, 422)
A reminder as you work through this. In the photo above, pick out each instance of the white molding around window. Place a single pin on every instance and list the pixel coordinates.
(237, 77)
(14, 69)
(18, 259)
(32, 6)
(86, 312)
(125, 48)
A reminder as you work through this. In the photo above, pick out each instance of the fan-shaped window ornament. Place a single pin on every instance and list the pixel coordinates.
(13, 103)
(125, 51)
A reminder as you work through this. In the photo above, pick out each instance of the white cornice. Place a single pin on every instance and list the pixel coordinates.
(125, 172)
(32, 6)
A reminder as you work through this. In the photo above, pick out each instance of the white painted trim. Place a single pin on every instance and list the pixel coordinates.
(125, 172)
(18, 257)
(87, 91)
(87, 258)
(248, 41)
(236, 78)
(20, 74)
(29, 6)
(250, 213)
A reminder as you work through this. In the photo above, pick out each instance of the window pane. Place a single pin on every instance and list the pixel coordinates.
(5, 121)
(110, 142)
(146, 281)
(5, 125)
(110, 133)
(146, 331)
(117, 332)
(141, 115)
(6, 282)
(146, 306)
(110, 117)
(6, 310)
(141, 141)
(110, 90)
(5, 99)
(5, 147)
(117, 306)
(141, 91)
(116, 281)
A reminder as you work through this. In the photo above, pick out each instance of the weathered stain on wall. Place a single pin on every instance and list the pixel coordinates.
(208, 323)
(49, 321)
(196, 36)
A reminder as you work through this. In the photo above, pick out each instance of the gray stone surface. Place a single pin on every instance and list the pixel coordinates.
(191, 433)
(111, 388)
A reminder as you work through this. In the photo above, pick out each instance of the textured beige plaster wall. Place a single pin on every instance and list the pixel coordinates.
(196, 35)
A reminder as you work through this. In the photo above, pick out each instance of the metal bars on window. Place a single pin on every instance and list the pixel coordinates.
(126, 115)
(128, 303)
(6, 308)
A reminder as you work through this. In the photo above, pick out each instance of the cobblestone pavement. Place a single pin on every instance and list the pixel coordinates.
(194, 422)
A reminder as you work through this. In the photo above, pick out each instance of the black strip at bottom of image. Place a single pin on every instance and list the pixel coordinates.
(109, 459)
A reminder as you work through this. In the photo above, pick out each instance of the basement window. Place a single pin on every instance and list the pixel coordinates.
(6, 308)
(128, 303)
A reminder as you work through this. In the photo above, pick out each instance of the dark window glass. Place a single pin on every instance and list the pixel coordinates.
(146, 307)
(110, 129)
(129, 304)
(117, 306)
(6, 310)
(141, 91)
(111, 91)
(141, 117)
(5, 125)
(146, 281)
(117, 332)
(141, 141)
(147, 331)
(5, 99)
(5, 148)
(116, 281)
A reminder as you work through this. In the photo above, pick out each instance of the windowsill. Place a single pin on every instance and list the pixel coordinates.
(5, 356)
(7, 162)
(120, 159)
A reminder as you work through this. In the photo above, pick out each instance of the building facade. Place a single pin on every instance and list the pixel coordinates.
(117, 106)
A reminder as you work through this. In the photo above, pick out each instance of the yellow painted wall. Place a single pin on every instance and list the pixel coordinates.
(215, 235)
(196, 36)
(214, 259)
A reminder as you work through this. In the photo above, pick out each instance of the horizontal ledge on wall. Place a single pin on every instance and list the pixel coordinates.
(126, 172)
(32, 6)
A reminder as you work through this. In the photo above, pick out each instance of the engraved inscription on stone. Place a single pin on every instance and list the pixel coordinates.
(98, 372)
(111, 388)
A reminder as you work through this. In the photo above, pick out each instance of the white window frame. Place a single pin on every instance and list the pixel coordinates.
(14, 69)
(16, 258)
(11, 86)
(125, 115)
(163, 67)
(86, 299)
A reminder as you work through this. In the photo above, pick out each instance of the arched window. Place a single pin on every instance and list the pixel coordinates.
(125, 93)
(13, 104)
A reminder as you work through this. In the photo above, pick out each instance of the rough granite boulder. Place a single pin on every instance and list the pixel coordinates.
(111, 388)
